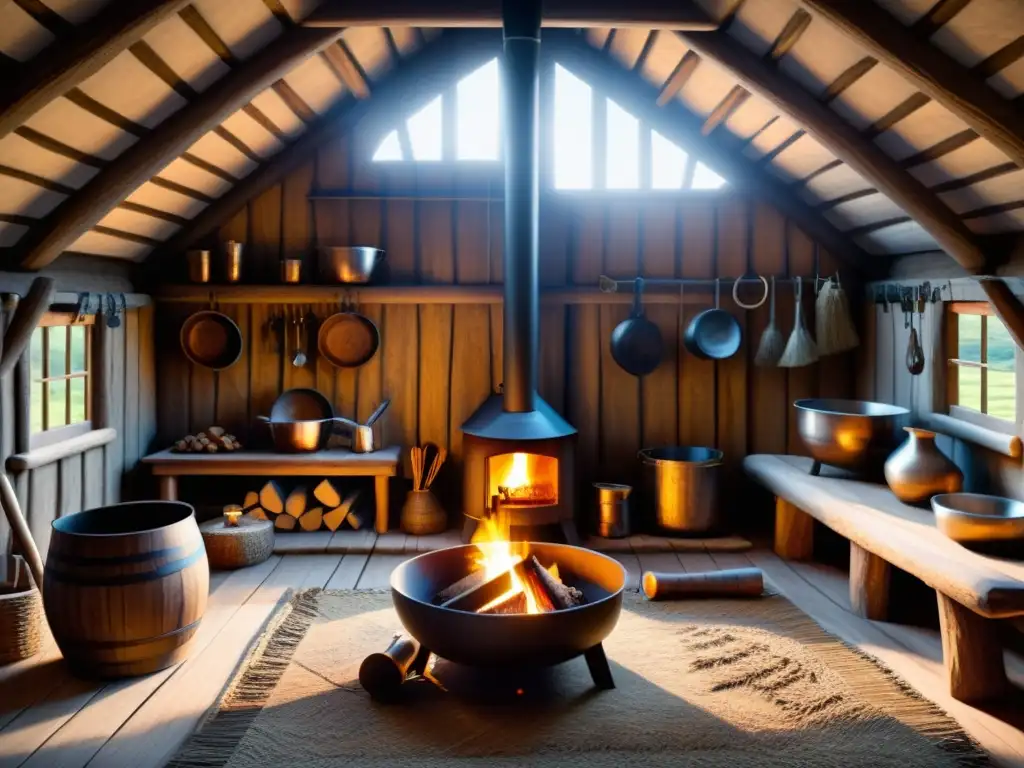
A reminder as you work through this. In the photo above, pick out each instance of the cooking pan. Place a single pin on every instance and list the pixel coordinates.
(362, 434)
(299, 435)
(531, 640)
(348, 339)
(301, 403)
(211, 339)
(636, 341)
(714, 334)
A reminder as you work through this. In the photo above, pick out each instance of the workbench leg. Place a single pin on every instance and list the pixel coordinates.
(869, 584)
(972, 653)
(794, 531)
(168, 487)
(380, 489)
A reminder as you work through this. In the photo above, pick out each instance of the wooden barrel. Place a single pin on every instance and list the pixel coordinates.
(125, 587)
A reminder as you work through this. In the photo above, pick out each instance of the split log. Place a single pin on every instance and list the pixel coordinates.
(285, 523)
(547, 590)
(737, 582)
(513, 604)
(382, 674)
(257, 513)
(312, 519)
(486, 592)
(326, 494)
(295, 504)
(252, 499)
(360, 517)
(466, 583)
(333, 518)
(271, 499)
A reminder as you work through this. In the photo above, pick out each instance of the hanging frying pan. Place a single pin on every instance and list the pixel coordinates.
(211, 339)
(348, 339)
(636, 341)
(714, 334)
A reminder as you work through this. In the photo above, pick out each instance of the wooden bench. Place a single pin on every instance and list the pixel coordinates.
(972, 589)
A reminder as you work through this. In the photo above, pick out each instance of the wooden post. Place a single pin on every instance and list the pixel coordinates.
(972, 653)
(869, 584)
(794, 531)
(169, 487)
(380, 487)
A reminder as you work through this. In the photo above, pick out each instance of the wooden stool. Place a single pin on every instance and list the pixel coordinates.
(250, 542)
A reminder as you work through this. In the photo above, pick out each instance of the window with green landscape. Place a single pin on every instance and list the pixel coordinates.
(985, 363)
(60, 374)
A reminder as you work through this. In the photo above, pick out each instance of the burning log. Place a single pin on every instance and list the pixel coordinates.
(482, 594)
(738, 582)
(466, 583)
(512, 604)
(550, 593)
(382, 674)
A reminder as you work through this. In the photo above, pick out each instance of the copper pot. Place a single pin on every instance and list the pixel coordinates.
(918, 470)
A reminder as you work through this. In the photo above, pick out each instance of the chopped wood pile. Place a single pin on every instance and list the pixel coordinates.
(303, 510)
(525, 587)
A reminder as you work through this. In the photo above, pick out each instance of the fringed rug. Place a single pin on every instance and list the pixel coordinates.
(717, 684)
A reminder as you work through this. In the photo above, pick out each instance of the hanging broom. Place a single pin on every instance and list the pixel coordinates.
(773, 343)
(800, 349)
(833, 324)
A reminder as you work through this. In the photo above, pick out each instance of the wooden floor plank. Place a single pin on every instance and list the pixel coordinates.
(36, 724)
(697, 562)
(155, 731)
(632, 565)
(725, 560)
(348, 572)
(1003, 742)
(81, 737)
(660, 562)
(377, 574)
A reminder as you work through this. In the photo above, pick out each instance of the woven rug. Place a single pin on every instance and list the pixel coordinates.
(717, 684)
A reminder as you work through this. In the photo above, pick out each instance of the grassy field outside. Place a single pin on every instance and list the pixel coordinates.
(57, 391)
(1001, 361)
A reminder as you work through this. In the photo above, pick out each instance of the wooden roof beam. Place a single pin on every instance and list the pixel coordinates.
(413, 78)
(652, 14)
(930, 69)
(144, 159)
(720, 151)
(68, 62)
(886, 174)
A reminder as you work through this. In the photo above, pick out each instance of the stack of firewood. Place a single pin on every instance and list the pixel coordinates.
(305, 511)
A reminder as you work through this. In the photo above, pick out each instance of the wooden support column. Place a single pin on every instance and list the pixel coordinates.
(971, 652)
(794, 531)
(869, 584)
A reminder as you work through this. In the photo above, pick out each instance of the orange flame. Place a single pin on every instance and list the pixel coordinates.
(497, 555)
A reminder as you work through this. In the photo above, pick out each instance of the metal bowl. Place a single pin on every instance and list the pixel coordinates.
(533, 640)
(348, 264)
(852, 434)
(976, 518)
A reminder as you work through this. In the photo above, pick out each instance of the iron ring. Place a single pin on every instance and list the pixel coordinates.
(736, 298)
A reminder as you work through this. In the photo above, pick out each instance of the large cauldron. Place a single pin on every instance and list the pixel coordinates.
(852, 434)
(523, 640)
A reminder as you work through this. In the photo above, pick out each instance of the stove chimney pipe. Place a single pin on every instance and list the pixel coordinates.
(520, 115)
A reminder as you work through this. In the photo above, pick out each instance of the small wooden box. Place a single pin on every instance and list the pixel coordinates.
(228, 547)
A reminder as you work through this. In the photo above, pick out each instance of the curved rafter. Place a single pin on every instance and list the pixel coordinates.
(137, 164)
(931, 70)
(887, 175)
(59, 68)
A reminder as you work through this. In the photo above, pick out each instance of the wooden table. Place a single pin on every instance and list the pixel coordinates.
(971, 588)
(168, 466)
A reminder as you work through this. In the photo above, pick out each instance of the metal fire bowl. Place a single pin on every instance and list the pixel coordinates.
(524, 640)
(976, 518)
(852, 434)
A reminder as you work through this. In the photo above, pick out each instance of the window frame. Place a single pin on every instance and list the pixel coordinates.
(48, 437)
(953, 310)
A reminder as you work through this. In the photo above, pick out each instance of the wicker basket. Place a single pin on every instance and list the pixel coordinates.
(21, 612)
(229, 547)
(422, 514)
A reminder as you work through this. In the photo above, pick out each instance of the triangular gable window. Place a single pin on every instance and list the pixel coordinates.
(628, 144)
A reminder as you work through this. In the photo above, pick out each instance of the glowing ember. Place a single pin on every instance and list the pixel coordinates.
(527, 480)
(496, 556)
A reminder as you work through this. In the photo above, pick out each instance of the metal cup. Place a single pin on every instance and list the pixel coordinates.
(198, 266)
(233, 261)
(291, 270)
(613, 510)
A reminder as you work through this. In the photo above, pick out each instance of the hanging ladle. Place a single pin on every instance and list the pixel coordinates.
(915, 352)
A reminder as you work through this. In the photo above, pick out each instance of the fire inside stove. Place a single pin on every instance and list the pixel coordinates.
(523, 479)
(508, 579)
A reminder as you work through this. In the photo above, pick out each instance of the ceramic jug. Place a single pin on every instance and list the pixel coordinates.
(918, 470)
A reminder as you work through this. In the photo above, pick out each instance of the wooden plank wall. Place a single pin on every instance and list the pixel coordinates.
(102, 475)
(437, 363)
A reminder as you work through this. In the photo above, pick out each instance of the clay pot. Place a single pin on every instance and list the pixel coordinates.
(918, 470)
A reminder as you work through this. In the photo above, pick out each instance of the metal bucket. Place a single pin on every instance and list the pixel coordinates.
(612, 510)
(681, 487)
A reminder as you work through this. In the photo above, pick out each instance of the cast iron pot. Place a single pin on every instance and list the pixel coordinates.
(714, 334)
(523, 640)
(211, 339)
(636, 341)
